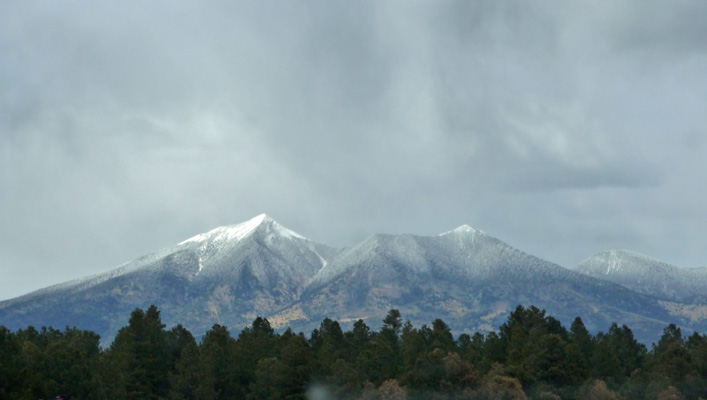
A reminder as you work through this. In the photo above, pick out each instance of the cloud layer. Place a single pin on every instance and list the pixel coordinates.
(563, 129)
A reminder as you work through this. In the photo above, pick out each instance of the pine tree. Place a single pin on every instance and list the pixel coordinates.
(294, 352)
(672, 358)
(70, 360)
(192, 378)
(441, 337)
(271, 377)
(697, 345)
(413, 346)
(550, 362)
(331, 346)
(9, 368)
(218, 353)
(141, 352)
(178, 338)
(617, 353)
(580, 337)
(254, 343)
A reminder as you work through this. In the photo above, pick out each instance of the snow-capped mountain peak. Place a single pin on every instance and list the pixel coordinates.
(464, 229)
(234, 233)
(250, 245)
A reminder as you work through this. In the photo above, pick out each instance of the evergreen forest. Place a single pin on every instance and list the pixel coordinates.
(532, 356)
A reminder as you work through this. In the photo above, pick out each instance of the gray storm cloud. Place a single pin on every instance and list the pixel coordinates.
(563, 129)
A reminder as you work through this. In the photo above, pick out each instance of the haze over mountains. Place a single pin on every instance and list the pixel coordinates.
(471, 280)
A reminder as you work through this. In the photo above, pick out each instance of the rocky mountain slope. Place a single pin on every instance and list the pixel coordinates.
(232, 274)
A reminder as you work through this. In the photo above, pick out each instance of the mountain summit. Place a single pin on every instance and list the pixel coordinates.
(260, 247)
(261, 224)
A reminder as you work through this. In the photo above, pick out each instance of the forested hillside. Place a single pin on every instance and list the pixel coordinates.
(532, 356)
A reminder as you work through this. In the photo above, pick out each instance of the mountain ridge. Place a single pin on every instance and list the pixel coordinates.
(231, 274)
(468, 270)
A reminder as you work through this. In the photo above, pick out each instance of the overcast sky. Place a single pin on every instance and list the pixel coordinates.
(562, 128)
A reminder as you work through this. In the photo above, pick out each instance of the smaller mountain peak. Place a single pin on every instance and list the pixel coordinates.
(464, 229)
(620, 254)
(623, 253)
(621, 262)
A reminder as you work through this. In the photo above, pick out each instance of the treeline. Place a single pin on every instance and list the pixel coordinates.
(531, 357)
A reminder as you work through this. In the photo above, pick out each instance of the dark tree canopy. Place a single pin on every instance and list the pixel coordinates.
(531, 356)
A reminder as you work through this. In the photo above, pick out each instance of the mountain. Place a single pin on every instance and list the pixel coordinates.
(682, 291)
(647, 275)
(232, 274)
(469, 279)
(228, 276)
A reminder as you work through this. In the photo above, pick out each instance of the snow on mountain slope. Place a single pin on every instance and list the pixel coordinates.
(223, 249)
(463, 253)
(471, 278)
(647, 275)
(228, 275)
(269, 250)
